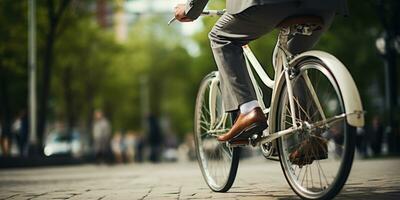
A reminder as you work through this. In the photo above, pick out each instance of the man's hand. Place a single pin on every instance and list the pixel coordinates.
(180, 13)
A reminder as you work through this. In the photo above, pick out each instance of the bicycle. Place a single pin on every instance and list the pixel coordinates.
(315, 107)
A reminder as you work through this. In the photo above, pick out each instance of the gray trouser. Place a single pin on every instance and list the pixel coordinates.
(231, 32)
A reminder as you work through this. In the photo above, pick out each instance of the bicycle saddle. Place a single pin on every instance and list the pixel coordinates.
(315, 21)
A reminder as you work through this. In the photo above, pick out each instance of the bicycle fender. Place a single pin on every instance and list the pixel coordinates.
(274, 103)
(347, 86)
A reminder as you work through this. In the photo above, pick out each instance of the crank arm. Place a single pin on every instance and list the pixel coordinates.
(273, 136)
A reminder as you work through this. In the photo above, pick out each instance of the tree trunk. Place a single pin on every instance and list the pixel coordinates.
(54, 15)
(89, 100)
(48, 59)
(68, 98)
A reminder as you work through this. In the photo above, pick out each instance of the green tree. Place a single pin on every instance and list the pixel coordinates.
(13, 61)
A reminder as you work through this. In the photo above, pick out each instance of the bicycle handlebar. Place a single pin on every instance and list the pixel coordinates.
(204, 13)
(213, 12)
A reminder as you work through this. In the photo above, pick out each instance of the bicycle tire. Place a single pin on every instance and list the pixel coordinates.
(211, 175)
(347, 145)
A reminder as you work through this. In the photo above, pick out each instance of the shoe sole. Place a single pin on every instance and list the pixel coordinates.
(255, 128)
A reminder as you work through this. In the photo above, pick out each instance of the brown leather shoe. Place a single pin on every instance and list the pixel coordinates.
(245, 126)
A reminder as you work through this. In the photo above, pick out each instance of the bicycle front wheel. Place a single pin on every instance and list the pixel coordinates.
(316, 161)
(218, 161)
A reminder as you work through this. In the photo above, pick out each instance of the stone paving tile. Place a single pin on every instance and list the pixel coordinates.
(91, 195)
(7, 195)
(54, 196)
(125, 194)
(17, 197)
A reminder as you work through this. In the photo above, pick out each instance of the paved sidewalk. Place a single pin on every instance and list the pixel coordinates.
(256, 179)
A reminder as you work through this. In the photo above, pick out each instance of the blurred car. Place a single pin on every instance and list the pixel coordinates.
(59, 143)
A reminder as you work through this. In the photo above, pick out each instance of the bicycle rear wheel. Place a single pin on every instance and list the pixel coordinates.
(218, 162)
(316, 162)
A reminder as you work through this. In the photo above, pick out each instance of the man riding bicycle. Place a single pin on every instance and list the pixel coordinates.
(245, 21)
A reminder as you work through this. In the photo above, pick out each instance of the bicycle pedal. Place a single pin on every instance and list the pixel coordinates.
(254, 139)
(238, 143)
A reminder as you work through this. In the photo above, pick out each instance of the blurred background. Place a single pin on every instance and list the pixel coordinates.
(109, 81)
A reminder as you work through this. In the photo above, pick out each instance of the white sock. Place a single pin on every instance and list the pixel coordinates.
(248, 106)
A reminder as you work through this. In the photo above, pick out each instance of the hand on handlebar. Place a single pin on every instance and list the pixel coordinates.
(180, 13)
(181, 16)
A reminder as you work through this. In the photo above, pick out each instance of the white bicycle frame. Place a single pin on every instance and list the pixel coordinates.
(282, 62)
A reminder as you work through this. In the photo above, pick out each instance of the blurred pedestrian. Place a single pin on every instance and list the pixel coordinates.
(154, 138)
(396, 131)
(170, 153)
(187, 151)
(101, 136)
(1, 138)
(375, 135)
(116, 146)
(130, 146)
(21, 130)
(361, 142)
(192, 149)
(139, 147)
(5, 136)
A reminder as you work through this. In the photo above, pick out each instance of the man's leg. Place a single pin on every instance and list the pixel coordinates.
(228, 36)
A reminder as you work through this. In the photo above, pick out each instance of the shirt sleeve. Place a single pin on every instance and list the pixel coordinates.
(194, 8)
